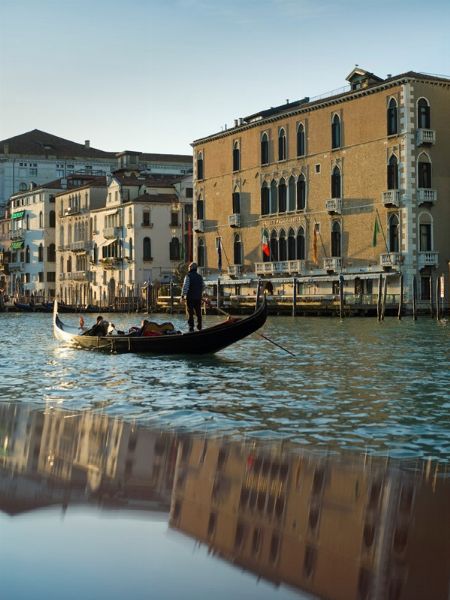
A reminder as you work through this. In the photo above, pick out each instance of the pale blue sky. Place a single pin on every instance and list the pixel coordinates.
(154, 76)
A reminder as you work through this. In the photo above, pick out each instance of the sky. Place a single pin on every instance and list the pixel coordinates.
(153, 76)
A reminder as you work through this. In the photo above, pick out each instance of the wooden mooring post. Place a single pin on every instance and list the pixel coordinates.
(400, 300)
(294, 297)
(380, 287)
(341, 296)
(414, 298)
(383, 304)
(218, 293)
(438, 290)
(258, 291)
(171, 296)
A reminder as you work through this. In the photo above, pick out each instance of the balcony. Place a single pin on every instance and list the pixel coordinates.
(334, 206)
(391, 259)
(234, 220)
(71, 210)
(425, 137)
(235, 270)
(110, 263)
(112, 233)
(426, 196)
(81, 246)
(16, 265)
(428, 259)
(391, 198)
(288, 267)
(17, 234)
(79, 275)
(199, 225)
(332, 264)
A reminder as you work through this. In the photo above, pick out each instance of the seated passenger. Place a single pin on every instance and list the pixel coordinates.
(100, 328)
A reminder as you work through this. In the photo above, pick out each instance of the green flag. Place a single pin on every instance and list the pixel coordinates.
(375, 232)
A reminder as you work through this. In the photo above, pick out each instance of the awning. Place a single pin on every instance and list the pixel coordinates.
(17, 245)
(18, 215)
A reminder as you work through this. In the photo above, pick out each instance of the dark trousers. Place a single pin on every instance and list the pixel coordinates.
(194, 306)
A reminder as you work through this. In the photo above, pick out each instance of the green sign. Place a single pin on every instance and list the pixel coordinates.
(18, 215)
(17, 245)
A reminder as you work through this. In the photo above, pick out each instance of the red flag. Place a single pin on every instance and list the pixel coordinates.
(265, 244)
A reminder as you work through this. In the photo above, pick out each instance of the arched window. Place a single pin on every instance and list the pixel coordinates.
(236, 201)
(423, 114)
(237, 250)
(282, 155)
(51, 253)
(130, 216)
(282, 246)
(201, 254)
(264, 149)
(392, 173)
(425, 233)
(301, 193)
(28, 221)
(301, 140)
(273, 196)
(130, 248)
(392, 118)
(61, 264)
(69, 265)
(41, 220)
(27, 254)
(282, 193)
(95, 254)
(424, 171)
(336, 183)
(291, 245)
(265, 199)
(274, 245)
(291, 194)
(236, 157)
(301, 252)
(147, 248)
(336, 132)
(200, 208)
(174, 249)
(40, 253)
(199, 165)
(336, 239)
(393, 233)
(52, 219)
(61, 236)
(69, 234)
(95, 224)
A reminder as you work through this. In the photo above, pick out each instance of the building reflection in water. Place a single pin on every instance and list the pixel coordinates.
(339, 527)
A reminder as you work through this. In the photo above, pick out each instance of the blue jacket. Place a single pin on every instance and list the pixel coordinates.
(193, 286)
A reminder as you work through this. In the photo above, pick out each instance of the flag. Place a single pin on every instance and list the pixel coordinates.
(265, 244)
(315, 244)
(219, 253)
(375, 232)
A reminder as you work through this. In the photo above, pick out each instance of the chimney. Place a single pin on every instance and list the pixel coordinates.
(87, 143)
(235, 122)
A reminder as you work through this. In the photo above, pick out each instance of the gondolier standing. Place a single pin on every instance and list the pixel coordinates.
(193, 287)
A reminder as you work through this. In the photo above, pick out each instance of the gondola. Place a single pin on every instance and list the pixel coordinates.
(206, 341)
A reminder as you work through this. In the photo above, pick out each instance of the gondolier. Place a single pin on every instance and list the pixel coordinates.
(193, 287)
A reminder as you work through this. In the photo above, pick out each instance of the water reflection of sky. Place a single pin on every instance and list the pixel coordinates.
(84, 553)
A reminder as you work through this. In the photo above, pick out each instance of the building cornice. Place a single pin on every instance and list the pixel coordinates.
(323, 103)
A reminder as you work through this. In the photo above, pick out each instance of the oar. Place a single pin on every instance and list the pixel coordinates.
(260, 334)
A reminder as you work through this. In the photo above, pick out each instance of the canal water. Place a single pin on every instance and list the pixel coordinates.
(381, 388)
(250, 474)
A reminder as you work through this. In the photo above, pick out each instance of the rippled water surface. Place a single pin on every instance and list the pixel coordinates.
(380, 387)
